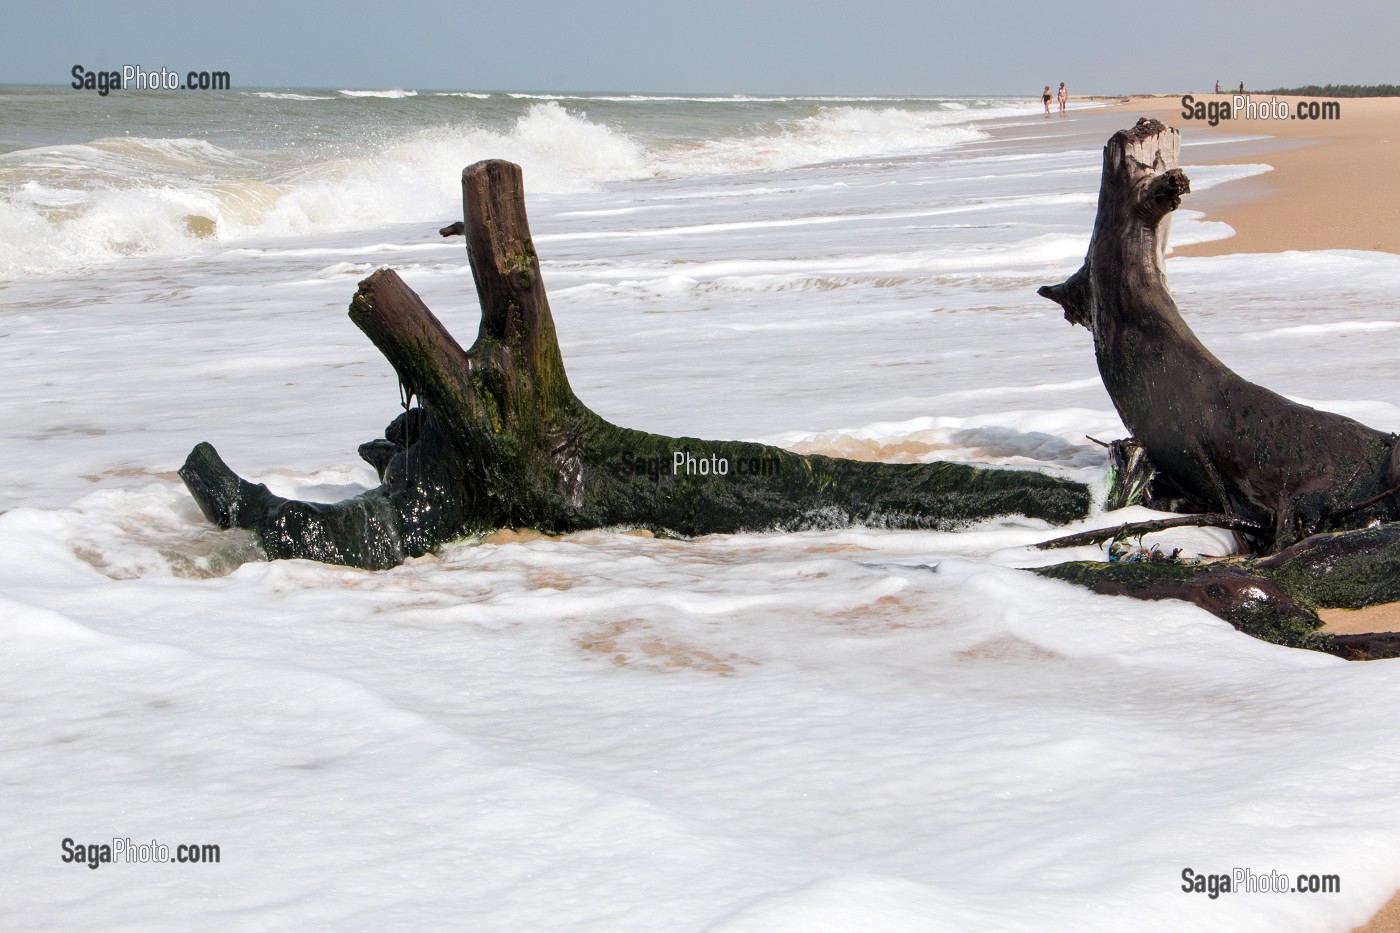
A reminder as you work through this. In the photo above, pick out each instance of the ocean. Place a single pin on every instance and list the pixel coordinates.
(838, 730)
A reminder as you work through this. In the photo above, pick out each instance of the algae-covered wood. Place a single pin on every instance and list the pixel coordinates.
(498, 439)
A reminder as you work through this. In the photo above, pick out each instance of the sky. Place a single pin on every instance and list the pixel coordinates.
(876, 47)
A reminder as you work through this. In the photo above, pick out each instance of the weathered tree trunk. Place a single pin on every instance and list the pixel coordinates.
(1225, 444)
(500, 440)
(1205, 440)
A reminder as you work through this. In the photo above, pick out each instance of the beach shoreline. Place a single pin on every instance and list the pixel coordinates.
(1330, 185)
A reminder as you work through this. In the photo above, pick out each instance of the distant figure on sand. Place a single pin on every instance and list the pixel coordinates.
(1046, 98)
(1064, 97)
(1241, 87)
(1217, 86)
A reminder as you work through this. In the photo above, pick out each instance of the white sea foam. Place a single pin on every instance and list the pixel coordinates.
(1336, 327)
(416, 179)
(116, 197)
(832, 133)
(948, 103)
(152, 196)
(841, 730)
(287, 95)
(392, 94)
(1208, 176)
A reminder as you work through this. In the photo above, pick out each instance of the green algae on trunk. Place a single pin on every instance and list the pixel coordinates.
(500, 440)
(1274, 598)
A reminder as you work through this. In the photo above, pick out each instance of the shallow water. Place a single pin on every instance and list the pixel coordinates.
(832, 730)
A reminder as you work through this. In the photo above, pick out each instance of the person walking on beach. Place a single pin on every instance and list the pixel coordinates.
(1064, 97)
(1046, 99)
(1217, 85)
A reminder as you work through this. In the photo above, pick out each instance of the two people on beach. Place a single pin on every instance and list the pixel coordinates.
(1063, 97)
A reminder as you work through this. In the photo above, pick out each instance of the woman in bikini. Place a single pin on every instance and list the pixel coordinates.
(1064, 97)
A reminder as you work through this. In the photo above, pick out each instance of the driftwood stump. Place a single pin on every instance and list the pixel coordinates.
(1219, 442)
(498, 439)
(1314, 489)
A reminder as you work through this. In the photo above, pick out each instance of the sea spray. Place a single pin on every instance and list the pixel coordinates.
(312, 163)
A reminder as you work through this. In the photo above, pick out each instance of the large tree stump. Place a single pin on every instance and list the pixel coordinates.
(1305, 486)
(500, 440)
(1224, 443)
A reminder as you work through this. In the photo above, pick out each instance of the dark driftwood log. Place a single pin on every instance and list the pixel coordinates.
(500, 440)
(1274, 598)
(1139, 529)
(1252, 604)
(1206, 440)
(1225, 443)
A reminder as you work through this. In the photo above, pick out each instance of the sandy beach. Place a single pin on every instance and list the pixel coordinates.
(1331, 187)
(1386, 920)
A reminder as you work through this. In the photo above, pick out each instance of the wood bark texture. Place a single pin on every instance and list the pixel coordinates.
(498, 439)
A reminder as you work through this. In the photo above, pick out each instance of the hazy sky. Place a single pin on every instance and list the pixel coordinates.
(724, 46)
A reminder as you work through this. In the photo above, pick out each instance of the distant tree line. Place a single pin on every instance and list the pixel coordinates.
(1338, 90)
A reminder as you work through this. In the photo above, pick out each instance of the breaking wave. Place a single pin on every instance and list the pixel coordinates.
(74, 205)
